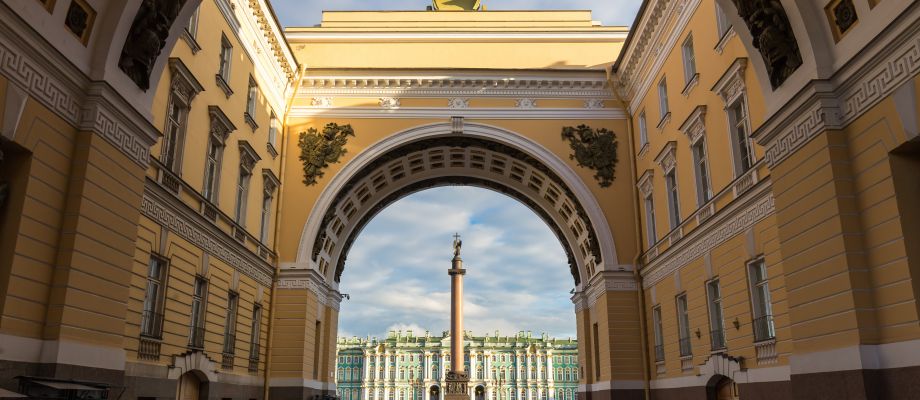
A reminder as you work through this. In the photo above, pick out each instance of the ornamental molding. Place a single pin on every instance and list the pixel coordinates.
(438, 113)
(30, 63)
(646, 183)
(318, 35)
(667, 158)
(191, 226)
(389, 102)
(646, 55)
(525, 103)
(731, 84)
(458, 102)
(728, 223)
(593, 86)
(694, 127)
(309, 279)
(594, 104)
(324, 102)
(890, 61)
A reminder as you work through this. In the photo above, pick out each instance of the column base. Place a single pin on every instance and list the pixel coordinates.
(457, 386)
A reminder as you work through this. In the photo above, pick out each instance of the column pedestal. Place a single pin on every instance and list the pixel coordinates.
(457, 386)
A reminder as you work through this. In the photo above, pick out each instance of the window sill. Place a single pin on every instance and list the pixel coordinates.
(223, 85)
(271, 150)
(190, 40)
(643, 151)
(692, 83)
(250, 121)
(723, 41)
(664, 121)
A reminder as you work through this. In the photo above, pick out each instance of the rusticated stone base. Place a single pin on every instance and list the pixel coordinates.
(297, 393)
(884, 384)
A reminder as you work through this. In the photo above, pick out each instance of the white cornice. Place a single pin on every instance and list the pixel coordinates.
(546, 85)
(444, 112)
(440, 37)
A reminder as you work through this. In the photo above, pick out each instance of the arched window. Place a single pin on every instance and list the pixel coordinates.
(341, 374)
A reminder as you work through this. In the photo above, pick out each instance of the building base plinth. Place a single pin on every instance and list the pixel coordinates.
(457, 385)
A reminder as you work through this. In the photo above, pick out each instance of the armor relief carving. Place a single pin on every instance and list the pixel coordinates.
(773, 36)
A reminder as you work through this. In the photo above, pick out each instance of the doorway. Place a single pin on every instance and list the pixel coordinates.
(189, 387)
(480, 393)
(724, 389)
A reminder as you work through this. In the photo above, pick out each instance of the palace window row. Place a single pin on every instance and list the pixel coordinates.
(152, 316)
(762, 322)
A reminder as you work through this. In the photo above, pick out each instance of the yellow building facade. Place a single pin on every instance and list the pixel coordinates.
(734, 184)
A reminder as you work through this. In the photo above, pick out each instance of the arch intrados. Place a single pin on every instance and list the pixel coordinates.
(459, 180)
(352, 168)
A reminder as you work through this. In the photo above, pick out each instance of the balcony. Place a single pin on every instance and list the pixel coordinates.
(659, 352)
(149, 349)
(764, 328)
(196, 338)
(717, 340)
(254, 358)
(686, 348)
(152, 325)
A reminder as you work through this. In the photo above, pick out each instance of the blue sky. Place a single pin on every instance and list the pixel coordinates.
(309, 12)
(517, 276)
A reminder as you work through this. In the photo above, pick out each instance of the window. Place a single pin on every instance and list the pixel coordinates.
(722, 22)
(255, 329)
(597, 353)
(242, 192)
(716, 324)
(760, 301)
(703, 188)
(650, 234)
(233, 301)
(226, 55)
(192, 27)
(689, 60)
(643, 130)
(673, 200)
(251, 98)
(199, 305)
(151, 318)
(659, 334)
(740, 137)
(174, 134)
(212, 168)
(268, 194)
(663, 98)
(683, 326)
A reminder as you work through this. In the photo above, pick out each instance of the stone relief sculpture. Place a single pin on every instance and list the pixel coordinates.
(595, 150)
(773, 37)
(146, 39)
(318, 150)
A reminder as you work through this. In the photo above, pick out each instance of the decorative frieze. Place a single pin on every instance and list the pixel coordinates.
(389, 102)
(646, 185)
(521, 87)
(722, 227)
(204, 237)
(458, 102)
(323, 102)
(594, 104)
(525, 103)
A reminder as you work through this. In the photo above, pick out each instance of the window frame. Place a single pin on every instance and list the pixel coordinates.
(643, 130)
(651, 233)
(702, 171)
(740, 146)
(664, 108)
(683, 325)
(670, 179)
(716, 313)
(658, 330)
(689, 60)
(153, 328)
(761, 308)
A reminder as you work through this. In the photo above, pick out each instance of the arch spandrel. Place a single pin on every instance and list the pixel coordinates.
(342, 195)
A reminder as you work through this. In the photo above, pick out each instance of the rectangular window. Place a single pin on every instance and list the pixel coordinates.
(199, 307)
(643, 130)
(650, 234)
(173, 135)
(716, 324)
(251, 98)
(722, 22)
(316, 347)
(226, 55)
(242, 192)
(683, 325)
(703, 188)
(741, 137)
(152, 317)
(212, 169)
(266, 215)
(673, 200)
(273, 131)
(689, 60)
(761, 304)
(659, 335)
(192, 27)
(663, 98)
(233, 301)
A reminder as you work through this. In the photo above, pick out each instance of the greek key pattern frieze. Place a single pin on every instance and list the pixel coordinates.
(119, 135)
(162, 215)
(809, 125)
(719, 234)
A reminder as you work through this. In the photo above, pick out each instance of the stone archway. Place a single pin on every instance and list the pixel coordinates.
(479, 155)
(436, 155)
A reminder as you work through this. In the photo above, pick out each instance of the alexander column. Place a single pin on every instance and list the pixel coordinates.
(457, 378)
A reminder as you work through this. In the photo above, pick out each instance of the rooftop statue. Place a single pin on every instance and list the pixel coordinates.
(456, 5)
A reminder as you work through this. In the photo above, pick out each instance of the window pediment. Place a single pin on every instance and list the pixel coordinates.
(271, 181)
(731, 84)
(645, 182)
(183, 81)
(221, 126)
(248, 155)
(695, 125)
(667, 158)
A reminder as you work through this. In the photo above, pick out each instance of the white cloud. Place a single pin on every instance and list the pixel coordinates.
(517, 275)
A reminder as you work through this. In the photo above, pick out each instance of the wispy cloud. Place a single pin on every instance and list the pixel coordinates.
(517, 276)
(309, 12)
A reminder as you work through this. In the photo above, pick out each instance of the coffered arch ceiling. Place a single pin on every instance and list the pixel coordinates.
(434, 156)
